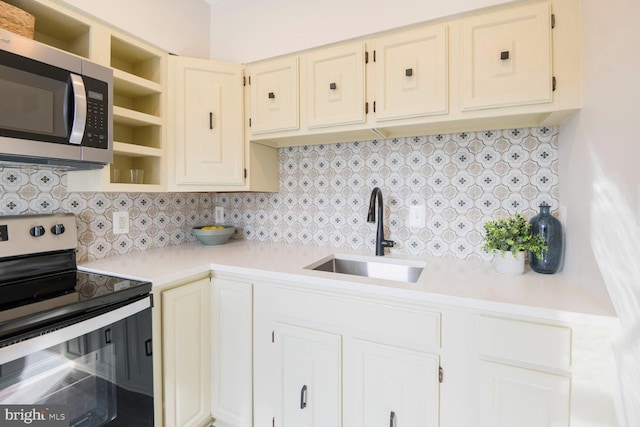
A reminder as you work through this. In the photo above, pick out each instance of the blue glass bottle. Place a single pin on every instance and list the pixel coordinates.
(550, 229)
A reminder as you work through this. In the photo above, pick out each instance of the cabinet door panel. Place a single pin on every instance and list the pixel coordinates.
(511, 396)
(390, 386)
(231, 361)
(336, 85)
(507, 58)
(274, 96)
(209, 138)
(412, 72)
(186, 350)
(310, 374)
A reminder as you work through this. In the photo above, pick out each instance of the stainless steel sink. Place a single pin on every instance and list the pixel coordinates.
(401, 271)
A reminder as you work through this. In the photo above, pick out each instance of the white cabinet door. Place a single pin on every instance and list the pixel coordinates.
(186, 351)
(309, 376)
(390, 386)
(412, 74)
(274, 96)
(511, 396)
(507, 58)
(336, 86)
(209, 141)
(232, 352)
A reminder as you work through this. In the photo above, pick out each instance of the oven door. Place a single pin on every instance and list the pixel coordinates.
(100, 370)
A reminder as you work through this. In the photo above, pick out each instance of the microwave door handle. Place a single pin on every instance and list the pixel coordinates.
(79, 109)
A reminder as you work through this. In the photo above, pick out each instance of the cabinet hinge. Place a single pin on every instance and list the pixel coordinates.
(366, 57)
(553, 83)
(440, 374)
(245, 173)
(366, 108)
(273, 336)
(553, 20)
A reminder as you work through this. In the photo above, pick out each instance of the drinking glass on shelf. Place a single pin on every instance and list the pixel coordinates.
(136, 176)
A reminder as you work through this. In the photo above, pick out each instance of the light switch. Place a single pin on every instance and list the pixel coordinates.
(219, 214)
(417, 216)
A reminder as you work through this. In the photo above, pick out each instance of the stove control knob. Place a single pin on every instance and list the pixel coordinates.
(57, 229)
(37, 231)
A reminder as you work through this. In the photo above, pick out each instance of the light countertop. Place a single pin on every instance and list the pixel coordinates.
(463, 283)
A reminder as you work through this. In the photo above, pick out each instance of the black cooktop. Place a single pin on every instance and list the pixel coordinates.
(38, 302)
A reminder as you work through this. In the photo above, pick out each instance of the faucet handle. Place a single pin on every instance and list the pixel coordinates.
(387, 243)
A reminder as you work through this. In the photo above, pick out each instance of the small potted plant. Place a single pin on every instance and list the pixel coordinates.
(509, 239)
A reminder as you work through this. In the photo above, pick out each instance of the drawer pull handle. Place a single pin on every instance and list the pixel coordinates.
(392, 419)
(272, 95)
(504, 55)
(148, 348)
(303, 397)
(210, 120)
(408, 72)
(333, 86)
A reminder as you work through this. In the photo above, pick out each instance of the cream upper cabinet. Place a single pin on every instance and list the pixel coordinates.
(507, 58)
(208, 148)
(335, 84)
(274, 95)
(412, 74)
(501, 67)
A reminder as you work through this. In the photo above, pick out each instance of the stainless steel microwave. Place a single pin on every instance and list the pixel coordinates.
(55, 108)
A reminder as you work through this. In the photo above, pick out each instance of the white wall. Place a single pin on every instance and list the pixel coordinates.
(180, 27)
(248, 30)
(600, 177)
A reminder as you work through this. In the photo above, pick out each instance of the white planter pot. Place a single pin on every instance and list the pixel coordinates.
(505, 263)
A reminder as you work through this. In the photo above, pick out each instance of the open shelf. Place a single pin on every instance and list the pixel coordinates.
(135, 60)
(57, 29)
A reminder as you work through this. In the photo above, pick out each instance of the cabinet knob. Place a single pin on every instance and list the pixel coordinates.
(392, 419)
(272, 95)
(504, 55)
(333, 86)
(408, 72)
(303, 397)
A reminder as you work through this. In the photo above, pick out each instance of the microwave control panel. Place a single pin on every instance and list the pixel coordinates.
(97, 129)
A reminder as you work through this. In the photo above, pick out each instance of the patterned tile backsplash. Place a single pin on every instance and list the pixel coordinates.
(461, 179)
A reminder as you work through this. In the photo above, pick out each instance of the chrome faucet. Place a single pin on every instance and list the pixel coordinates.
(381, 243)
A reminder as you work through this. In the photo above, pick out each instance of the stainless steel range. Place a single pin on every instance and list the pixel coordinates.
(74, 340)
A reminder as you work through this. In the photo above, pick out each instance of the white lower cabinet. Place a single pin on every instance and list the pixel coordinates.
(186, 354)
(232, 392)
(389, 386)
(512, 396)
(322, 359)
(308, 377)
(327, 357)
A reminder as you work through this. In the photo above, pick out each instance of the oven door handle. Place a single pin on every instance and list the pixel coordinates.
(75, 330)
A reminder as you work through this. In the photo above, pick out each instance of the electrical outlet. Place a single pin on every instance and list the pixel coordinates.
(417, 216)
(120, 222)
(219, 214)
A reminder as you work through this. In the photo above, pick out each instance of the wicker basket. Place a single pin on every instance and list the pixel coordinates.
(16, 20)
